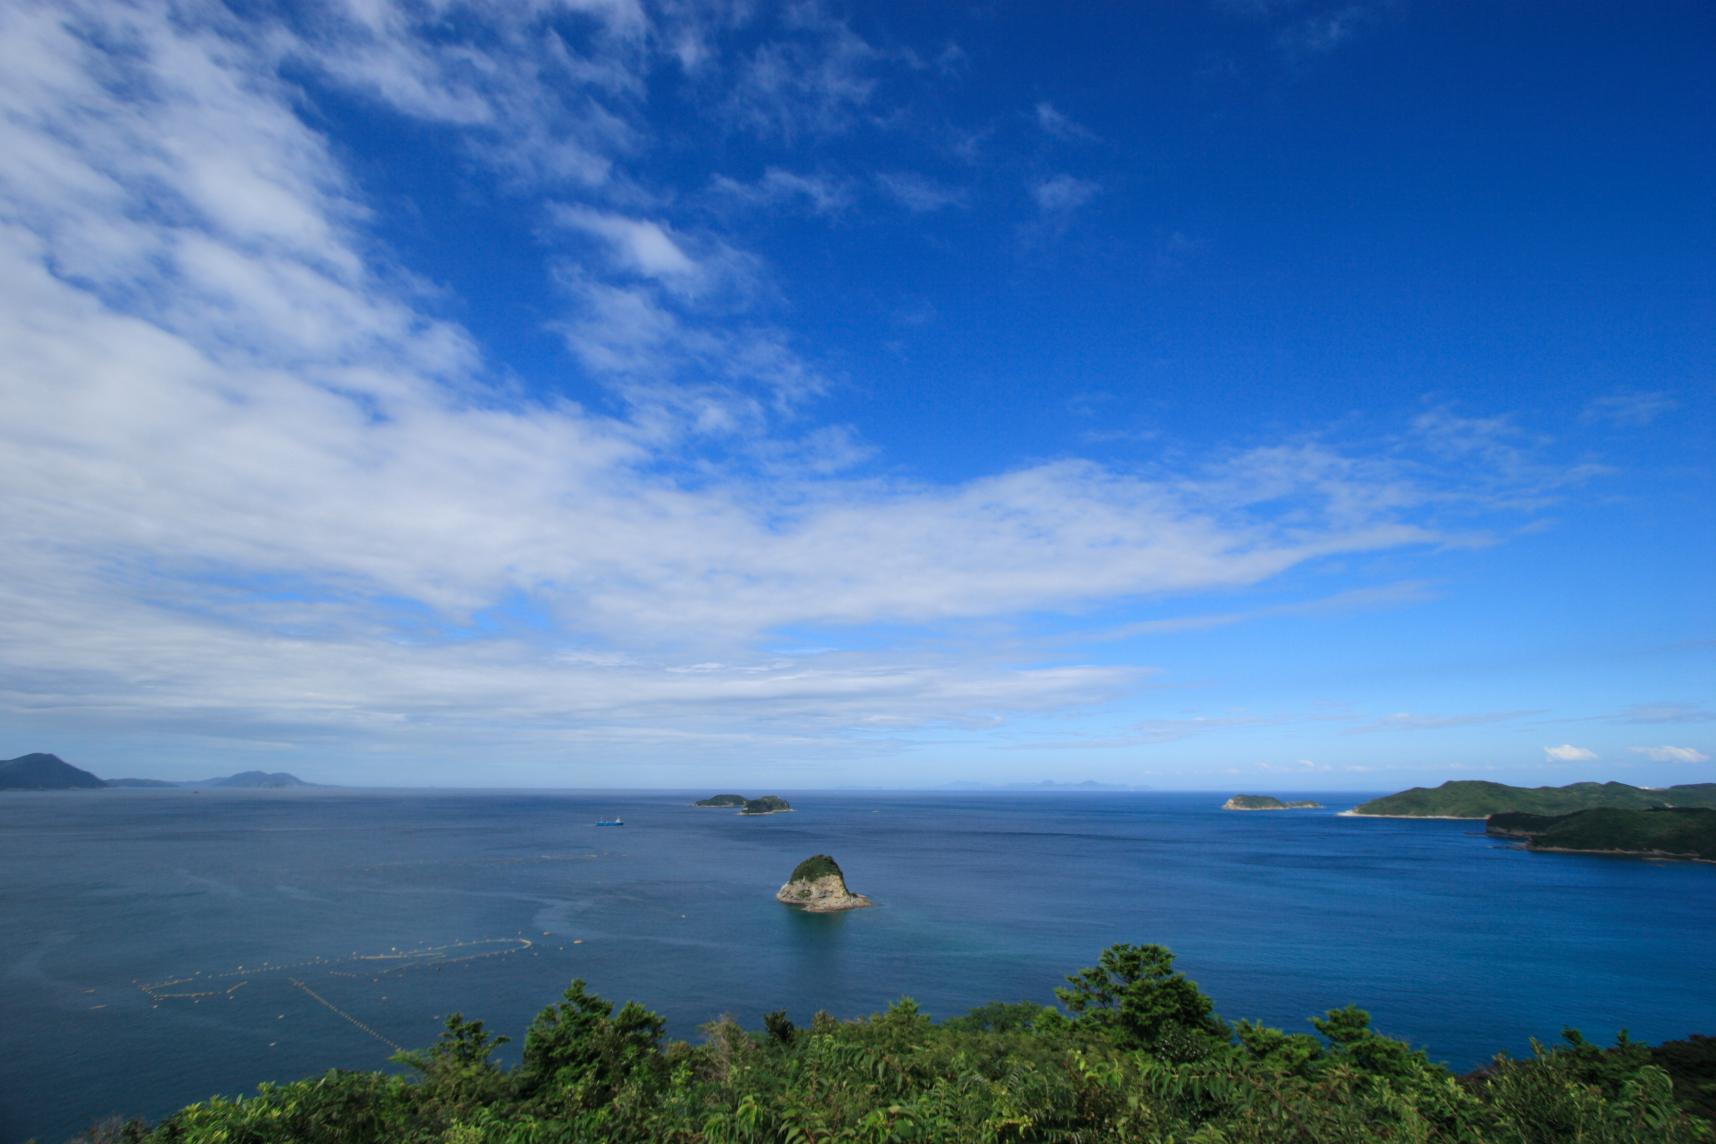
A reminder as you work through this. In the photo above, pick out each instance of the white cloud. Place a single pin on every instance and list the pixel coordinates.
(1055, 122)
(1568, 753)
(1063, 194)
(639, 245)
(253, 485)
(1671, 754)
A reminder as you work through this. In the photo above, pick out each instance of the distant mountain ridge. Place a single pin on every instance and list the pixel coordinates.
(1476, 798)
(1042, 784)
(253, 780)
(42, 771)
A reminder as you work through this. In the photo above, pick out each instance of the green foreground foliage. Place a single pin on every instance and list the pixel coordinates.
(1141, 1057)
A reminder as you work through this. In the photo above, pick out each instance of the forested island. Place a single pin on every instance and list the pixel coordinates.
(1663, 832)
(1136, 1054)
(1266, 802)
(1466, 798)
(722, 800)
(768, 804)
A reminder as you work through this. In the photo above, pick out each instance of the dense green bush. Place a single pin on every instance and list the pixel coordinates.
(1140, 1055)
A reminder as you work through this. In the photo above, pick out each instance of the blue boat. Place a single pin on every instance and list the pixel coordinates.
(610, 822)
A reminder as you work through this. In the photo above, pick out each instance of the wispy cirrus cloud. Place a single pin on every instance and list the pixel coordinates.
(1568, 753)
(1408, 721)
(1630, 410)
(1671, 754)
(821, 194)
(816, 76)
(1665, 713)
(1056, 123)
(1062, 194)
(919, 193)
(1357, 599)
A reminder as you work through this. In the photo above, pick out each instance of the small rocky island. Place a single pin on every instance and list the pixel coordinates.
(1266, 802)
(768, 804)
(818, 886)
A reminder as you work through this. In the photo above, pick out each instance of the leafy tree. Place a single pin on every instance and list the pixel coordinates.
(581, 1052)
(1133, 996)
(779, 1026)
(458, 1072)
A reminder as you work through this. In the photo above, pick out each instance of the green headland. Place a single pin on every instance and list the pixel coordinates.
(1665, 832)
(1467, 798)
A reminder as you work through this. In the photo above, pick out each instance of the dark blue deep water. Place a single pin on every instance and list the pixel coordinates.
(160, 946)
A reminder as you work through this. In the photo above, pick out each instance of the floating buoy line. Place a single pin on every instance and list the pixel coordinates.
(335, 1009)
(202, 986)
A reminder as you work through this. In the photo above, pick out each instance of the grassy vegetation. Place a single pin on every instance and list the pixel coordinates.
(1138, 1055)
(814, 867)
(1265, 802)
(1465, 798)
(768, 804)
(1678, 831)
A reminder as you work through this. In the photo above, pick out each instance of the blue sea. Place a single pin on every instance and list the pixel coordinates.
(159, 946)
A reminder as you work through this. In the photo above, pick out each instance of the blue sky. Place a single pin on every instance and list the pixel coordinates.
(1265, 394)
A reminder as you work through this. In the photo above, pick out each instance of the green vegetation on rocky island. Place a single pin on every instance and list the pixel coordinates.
(768, 804)
(1664, 832)
(1138, 1054)
(1465, 798)
(814, 867)
(1266, 802)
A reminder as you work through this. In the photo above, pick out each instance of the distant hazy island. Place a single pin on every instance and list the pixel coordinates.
(1662, 832)
(818, 885)
(1266, 802)
(768, 804)
(42, 771)
(1463, 798)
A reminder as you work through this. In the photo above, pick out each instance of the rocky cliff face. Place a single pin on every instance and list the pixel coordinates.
(818, 885)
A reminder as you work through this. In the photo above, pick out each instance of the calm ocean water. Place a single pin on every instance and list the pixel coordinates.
(160, 946)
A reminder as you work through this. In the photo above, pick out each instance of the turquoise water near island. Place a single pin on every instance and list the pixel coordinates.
(160, 946)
